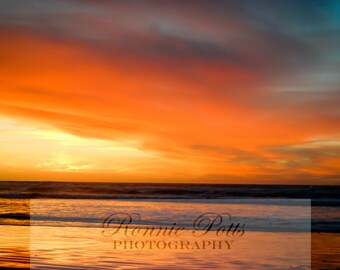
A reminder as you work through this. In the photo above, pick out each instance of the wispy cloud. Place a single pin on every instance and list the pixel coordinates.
(212, 87)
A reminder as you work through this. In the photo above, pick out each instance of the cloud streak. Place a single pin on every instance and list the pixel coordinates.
(221, 87)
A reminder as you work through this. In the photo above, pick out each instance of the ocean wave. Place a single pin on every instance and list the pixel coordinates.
(320, 195)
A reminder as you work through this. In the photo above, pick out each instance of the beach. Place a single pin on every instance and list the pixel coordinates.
(89, 232)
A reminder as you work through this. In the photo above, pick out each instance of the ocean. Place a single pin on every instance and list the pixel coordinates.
(55, 225)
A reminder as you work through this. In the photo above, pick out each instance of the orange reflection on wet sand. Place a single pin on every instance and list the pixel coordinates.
(14, 247)
(67, 247)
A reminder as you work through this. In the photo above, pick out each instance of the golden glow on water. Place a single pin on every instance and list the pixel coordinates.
(74, 235)
(14, 246)
(87, 247)
(63, 244)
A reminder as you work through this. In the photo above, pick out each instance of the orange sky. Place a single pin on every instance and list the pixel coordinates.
(92, 98)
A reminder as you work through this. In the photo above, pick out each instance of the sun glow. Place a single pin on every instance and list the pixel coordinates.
(167, 96)
(45, 148)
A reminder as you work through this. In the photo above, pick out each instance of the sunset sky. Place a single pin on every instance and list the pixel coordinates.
(170, 91)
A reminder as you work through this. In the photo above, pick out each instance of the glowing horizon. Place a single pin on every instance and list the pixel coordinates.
(222, 92)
